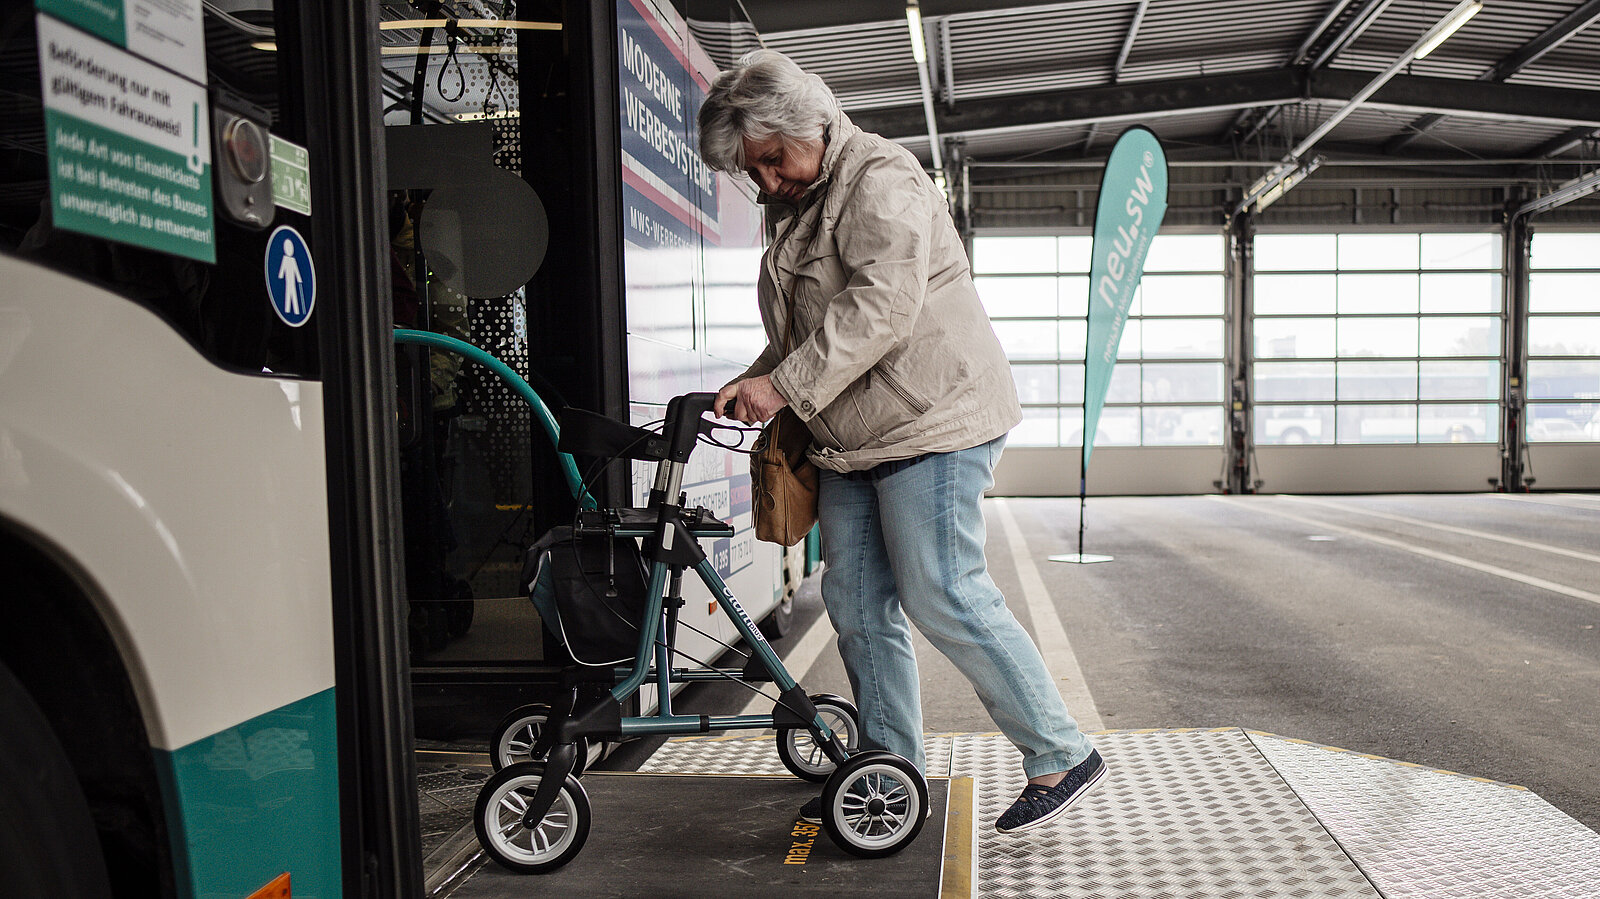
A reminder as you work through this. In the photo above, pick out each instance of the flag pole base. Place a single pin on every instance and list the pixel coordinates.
(1080, 558)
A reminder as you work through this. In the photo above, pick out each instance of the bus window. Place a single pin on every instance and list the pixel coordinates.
(91, 187)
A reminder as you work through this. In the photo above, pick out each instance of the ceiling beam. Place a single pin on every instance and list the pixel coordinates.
(777, 16)
(947, 84)
(1563, 142)
(1526, 55)
(1250, 121)
(1317, 32)
(1127, 42)
(1453, 96)
(1267, 87)
(1145, 98)
(1576, 189)
(1353, 27)
(1553, 37)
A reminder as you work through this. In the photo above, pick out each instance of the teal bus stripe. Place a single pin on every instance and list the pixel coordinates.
(258, 799)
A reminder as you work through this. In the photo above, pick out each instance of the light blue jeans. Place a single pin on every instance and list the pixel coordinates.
(909, 545)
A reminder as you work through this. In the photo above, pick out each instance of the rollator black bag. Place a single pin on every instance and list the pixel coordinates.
(590, 591)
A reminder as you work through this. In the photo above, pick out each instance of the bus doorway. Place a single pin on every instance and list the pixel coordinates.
(496, 238)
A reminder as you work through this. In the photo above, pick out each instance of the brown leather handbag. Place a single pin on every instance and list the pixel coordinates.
(783, 482)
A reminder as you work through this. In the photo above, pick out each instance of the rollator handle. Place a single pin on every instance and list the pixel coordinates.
(683, 423)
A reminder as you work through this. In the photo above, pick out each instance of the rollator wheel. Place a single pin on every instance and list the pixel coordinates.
(875, 804)
(546, 846)
(801, 753)
(517, 732)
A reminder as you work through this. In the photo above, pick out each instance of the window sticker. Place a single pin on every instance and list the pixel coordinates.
(291, 176)
(291, 276)
(130, 159)
(170, 33)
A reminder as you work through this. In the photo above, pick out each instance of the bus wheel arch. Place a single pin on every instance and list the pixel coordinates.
(60, 655)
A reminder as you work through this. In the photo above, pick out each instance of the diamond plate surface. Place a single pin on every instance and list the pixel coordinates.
(1181, 814)
(445, 797)
(756, 755)
(1419, 832)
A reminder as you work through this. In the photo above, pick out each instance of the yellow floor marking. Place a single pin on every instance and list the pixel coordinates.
(960, 840)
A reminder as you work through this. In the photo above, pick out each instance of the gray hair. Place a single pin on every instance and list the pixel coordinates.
(762, 95)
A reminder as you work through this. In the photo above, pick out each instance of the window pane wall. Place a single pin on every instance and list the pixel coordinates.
(1167, 386)
(1377, 338)
(1564, 338)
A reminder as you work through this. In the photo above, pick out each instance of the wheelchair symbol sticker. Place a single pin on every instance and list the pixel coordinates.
(291, 276)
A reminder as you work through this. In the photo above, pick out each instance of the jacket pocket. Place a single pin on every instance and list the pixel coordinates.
(916, 403)
(883, 405)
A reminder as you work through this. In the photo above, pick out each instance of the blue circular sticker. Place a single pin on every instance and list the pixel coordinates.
(291, 276)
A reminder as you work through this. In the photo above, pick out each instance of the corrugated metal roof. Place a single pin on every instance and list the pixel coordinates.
(1493, 34)
(1575, 63)
(866, 65)
(1076, 45)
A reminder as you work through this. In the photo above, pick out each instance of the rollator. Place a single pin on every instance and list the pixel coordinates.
(533, 816)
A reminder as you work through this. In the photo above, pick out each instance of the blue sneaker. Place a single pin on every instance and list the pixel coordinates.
(1038, 805)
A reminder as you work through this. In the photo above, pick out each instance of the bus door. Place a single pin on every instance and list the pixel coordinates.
(197, 449)
(497, 227)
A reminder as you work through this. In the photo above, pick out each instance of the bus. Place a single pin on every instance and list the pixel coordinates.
(250, 548)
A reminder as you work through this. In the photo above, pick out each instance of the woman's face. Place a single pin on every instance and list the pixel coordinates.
(783, 171)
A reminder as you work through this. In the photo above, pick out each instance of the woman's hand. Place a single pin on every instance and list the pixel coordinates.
(754, 400)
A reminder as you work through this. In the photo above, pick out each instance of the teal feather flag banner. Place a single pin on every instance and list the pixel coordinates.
(1133, 201)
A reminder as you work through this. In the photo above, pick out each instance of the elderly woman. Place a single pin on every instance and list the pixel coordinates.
(877, 340)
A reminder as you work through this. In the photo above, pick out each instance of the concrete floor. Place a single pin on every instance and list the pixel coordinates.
(1453, 631)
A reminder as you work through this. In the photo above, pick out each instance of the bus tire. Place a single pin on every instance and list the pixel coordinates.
(780, 620)
(48, 845)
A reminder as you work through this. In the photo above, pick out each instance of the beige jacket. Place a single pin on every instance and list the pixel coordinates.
(892, 354)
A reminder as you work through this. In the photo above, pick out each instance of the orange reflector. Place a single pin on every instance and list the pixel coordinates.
(711, 607)
(277, 889)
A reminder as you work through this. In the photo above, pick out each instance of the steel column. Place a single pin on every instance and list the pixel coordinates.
(1238, 475)
(1513, 427)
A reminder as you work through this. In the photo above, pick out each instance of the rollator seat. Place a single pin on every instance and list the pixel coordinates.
(642, 522)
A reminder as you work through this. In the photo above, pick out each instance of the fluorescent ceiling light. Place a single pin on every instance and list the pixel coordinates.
(919, 46)
(1430, 39)
(406, 24)
(1289, 181)
(1575, 189)
(264, 45)
(1446, 27)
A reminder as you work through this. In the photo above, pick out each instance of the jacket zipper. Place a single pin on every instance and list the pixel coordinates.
(920, 406)
(783, 290)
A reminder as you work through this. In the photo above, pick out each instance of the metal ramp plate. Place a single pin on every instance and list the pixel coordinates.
(1421, 832)
(674, 835)
(1225, 813)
